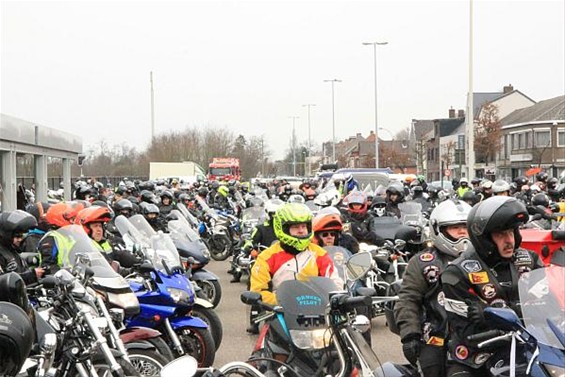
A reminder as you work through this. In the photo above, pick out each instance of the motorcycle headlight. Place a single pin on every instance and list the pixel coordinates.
(178, 295)
(127, 301)
(83, 306)
(554, 370)
(311, 339)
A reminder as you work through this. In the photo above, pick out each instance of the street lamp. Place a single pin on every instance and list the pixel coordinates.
(375, 44)
(309, 140)
(293, 146)
(333, 115)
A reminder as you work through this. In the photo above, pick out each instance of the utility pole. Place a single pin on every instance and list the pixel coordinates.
(309, 132)
(470, 106)
(152, 107)
(293, 145)
(333, 81)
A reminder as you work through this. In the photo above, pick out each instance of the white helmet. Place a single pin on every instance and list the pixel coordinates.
(296, 199)
(271, 206)
(499, 186)
(449, 212)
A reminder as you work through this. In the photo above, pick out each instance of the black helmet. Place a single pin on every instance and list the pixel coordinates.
(215, 185)
(493, 215)
(146, 185)
(476, 181)
(203, 192)
(147, 196)
(16, 339)
(167, 194)
(84, 191)
(521, 181)
(470, 198)
(148, 208)
(395, 188)
(38, 210)
(552, 183)
(540, 199)
(542, 176)
(14, 222)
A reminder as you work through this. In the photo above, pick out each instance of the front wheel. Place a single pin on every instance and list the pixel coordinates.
(212, 320)
(198, 343)
(212, 290)
(103, 369)
(147, 362)
(220, 247)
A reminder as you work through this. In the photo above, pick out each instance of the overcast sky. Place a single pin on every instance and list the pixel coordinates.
(247, 66)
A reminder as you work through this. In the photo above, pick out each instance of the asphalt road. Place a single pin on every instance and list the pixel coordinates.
(237, 344)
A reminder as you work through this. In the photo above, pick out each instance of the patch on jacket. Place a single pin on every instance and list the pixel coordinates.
(461, 352)
(488, 291)
(431, 273)
(479, 277)
(471, 266)
(427, 257)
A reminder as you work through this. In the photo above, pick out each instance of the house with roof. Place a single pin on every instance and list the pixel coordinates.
(533, 137)
(439, 154)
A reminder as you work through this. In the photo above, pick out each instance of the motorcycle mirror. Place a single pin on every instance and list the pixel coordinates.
(250, 298)
(88, 273)
(49, 282)
(182, 366)
(358, 264)
(399, 244)
(146, 267)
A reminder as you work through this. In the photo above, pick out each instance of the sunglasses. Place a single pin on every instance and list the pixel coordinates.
(327, 234)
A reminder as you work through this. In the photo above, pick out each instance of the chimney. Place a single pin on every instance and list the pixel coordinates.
(508, 88)
(451, 113)
(460, 113)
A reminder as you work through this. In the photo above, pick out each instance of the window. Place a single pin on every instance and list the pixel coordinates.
(515, 144)
(561, 138)
(542, 139)
(529, 139)
(522, 140)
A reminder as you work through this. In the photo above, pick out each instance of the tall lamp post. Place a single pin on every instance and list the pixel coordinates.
(333, 81)
(375, 44)
(293, 146)
(309, 105)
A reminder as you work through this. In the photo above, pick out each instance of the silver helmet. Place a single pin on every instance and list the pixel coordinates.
(449, 212)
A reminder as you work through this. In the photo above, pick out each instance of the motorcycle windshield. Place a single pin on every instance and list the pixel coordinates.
(193, 221)
(78, 249)
(304, 302)
(411, 213)
(386, 227)
(209, 211)
(252, 213)
(542, 297)
(180, 230)
(165, 253)
(339, 255)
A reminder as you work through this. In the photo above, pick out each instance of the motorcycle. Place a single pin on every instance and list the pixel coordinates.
(165, 294)
(215, 232)
(307, 331)
(243, 260)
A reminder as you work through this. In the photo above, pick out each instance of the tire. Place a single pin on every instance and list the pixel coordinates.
(162, 348)
(220, 247)
(199, 344)
(212, 290)
(103, 369)
(147, 362)
(213, 321)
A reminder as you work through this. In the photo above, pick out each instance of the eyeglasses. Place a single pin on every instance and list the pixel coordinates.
(18, 235)
(327, 234)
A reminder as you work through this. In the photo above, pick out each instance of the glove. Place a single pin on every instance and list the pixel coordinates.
(475, 312)
(411, 346)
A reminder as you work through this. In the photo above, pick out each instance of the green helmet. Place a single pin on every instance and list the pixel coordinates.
(224, 191)
(287, 215)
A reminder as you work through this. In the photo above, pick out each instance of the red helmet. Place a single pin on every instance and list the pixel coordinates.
(63, 213)
(94, 214)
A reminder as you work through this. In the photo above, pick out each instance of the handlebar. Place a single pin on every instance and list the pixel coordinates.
(347, 303)
(485, 335)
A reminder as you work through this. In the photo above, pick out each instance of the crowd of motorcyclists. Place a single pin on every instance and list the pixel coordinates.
(473, 259)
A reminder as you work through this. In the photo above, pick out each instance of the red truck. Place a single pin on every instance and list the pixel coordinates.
(224, 168)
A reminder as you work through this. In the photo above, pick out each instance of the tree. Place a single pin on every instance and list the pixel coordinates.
(487, 134)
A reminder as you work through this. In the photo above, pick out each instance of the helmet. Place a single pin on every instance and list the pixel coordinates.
(224, 191)
(476, 181)
(356, 197)
(84, 192)
(486, 184)
(15, 222)
(39, 210)
(327, 219)
(215, 185)
(16, 339)
(146, 185)
(167, 194)
(327, 198)
(203, 192)
(379, 206)
(123, 207)
(540, 199)
(271, 206)
(296, 198)
(470, 198)
(433, 191)
(449, 212)
(521, 181)
(417, 191)
(62, 214)
(542, 176)
(147, 196)
(463, 182)
(492, 215)
(500, 186)
(395, 188)
(148, 208)
(552, 183)
(290, 214)
(347, 177)
(94, 214)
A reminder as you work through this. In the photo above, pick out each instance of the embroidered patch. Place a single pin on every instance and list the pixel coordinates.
(498, 303)
(441, 298)
(435, 341)
(524, 269)
(461, 352)
(471, 266)
(479, 277)
(431, 273)
(480, 358)
(488, 291)
(427, 257)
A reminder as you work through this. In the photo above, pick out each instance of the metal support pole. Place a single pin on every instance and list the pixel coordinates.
(333, 81)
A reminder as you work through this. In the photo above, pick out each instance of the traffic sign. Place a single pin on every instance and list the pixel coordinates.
(447, 172)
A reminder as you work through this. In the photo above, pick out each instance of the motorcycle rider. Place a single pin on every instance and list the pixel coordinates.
(463, 187)
(486, 275)
(419, 313)
(349, 183)
(13, 227)
(485, 190)
(294, 256)
(500, 188)
(394, 196)
(327, 226)
(221, 198)
(359, 218)
(167, 203)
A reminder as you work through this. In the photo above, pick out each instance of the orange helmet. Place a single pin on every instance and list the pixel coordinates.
(327, 220)
(94, 214)
(63, 213)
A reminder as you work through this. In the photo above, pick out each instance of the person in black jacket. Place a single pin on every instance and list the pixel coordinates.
(484, 276)
(13, 227)
(419, 313)
(359, 219)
